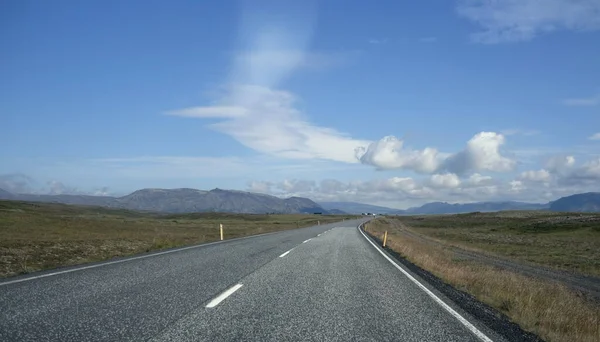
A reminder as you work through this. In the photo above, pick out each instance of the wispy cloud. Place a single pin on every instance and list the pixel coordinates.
(258, 114)
(522, 20)
(523, 132)
(378, 41)
(583, 101)
(271, 124)
(595, 136)
(428, 40)
(17, 183)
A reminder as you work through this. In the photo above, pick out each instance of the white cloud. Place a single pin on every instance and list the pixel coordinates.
(272, 125)
(260, 186)
(58, 188)
(516, 186)
(258, 115)
(482, 153)
(295, 186)
(560, 164)
(536, 176)
(595, 136)
(583, 101)
(522, 20)
(210, 112)
(588, 174)
(403, 192)
(448, 180)
(388, 153)
(477, 179)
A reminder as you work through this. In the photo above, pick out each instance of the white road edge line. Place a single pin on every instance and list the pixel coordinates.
(305, 241)
(223, 295)
(460, 318)
(129, 259)
(286, 253)
(319, 235)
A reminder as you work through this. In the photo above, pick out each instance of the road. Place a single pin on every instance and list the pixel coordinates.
(323, 283)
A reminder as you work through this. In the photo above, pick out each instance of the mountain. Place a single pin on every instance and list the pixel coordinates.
(586, 202)
(433, 207)
(184, 201)
(6, 195)
(358, 208)
(447, 208)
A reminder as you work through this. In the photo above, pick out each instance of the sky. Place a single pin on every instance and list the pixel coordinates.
(394, 103)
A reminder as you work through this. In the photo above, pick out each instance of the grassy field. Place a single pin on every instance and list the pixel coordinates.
(36, 236)
(546, 308)
(565, 241)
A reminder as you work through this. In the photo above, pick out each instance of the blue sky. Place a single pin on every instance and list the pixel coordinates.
(393, 103)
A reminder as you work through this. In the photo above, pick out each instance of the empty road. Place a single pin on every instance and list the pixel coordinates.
(324, 283)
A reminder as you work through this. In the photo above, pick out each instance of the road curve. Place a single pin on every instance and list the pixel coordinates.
(323, 283)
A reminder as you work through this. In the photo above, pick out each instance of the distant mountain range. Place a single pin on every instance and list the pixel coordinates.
(185, 201)
(586, 202)
(358, 208)
(218, 200)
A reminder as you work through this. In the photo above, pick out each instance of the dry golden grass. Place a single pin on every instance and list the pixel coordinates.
(564, 241)
(36, 236)
(547, 309)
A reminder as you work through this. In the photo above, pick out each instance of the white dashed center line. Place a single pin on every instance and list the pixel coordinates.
(284, 254)
(223, 295)
(305, 241)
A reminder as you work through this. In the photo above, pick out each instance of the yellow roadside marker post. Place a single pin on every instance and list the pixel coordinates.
(384, 238)
(221, 229)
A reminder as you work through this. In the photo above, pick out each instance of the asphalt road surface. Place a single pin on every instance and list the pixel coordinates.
(324, 283)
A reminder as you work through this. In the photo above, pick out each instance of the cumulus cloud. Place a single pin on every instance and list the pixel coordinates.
(560, 164)
(521, 20)
(448, 180)
(388, 153)
(587, 174)
(482, 153)
(402, 192)
(563, 171)
(536, 176)
(294, 186)
(477, 179)
(260, 186)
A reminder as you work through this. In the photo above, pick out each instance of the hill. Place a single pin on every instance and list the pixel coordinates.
(184, 201)
(586, 202)
(447, 208)
(433, 207)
